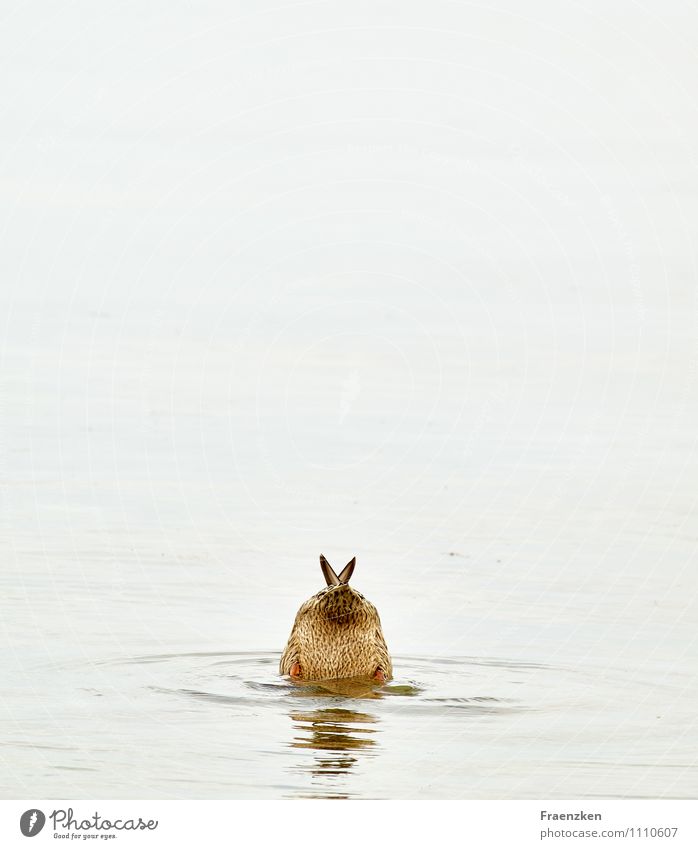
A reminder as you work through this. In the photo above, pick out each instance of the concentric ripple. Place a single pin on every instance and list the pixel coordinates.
(421, 685)
(227, 725)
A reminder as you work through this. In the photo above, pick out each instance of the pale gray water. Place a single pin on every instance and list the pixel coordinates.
(277, 282)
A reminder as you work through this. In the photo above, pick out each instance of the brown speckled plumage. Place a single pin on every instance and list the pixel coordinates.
(336, 634)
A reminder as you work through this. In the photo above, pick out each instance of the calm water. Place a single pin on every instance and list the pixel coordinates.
(424, 293)
(223, 724)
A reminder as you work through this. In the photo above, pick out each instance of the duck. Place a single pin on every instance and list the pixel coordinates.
(336, 634)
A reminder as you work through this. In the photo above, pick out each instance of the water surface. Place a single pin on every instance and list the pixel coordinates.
(302, 279)
(210, 725)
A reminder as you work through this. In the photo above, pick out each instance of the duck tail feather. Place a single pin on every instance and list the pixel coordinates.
(346, 573)
(329, 573)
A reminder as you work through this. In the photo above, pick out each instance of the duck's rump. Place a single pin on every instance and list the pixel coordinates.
(337, 634)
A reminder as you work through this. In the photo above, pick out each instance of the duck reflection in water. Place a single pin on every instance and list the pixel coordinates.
(338, 737)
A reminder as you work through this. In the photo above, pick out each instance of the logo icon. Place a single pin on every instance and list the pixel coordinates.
(31, 822)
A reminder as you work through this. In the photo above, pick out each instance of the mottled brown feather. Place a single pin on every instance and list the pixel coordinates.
(337, 634)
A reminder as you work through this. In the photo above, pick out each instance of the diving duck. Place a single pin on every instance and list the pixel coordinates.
(336, 634)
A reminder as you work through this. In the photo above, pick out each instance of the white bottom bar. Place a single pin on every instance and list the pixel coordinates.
(669, 823)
